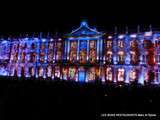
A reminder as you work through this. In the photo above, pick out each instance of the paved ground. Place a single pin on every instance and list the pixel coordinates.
(48, 99)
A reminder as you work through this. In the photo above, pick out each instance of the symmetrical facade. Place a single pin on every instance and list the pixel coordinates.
(84, 55)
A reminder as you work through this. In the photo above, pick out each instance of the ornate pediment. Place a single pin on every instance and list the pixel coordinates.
(84, 30)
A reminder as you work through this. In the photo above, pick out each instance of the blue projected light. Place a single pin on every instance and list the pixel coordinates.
(83, 45)
(81, 76)
(83, 23)
(126, 50)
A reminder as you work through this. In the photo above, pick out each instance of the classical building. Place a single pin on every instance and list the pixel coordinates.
(84, 55)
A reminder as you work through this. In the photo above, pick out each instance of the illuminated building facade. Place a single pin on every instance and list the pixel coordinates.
(84, 55)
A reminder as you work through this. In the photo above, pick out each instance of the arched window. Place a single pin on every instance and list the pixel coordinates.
(121, 57)
(65, 73)
(120, 43)
(109, 56)
(40, 72)
(41, 56)
(51, 45)
(83, 51)
(91, 74)
(23, 56)
(58, 51)
(133, 44)
(120, 75)
(42, 46)
(50, 55)
(92, 51)
(32, 57)
(133, 75)
(108, 44)
(134, 57)
(109, 74)
(73, 51)
(49, 71)
(57, 71)
(31, 71)
(72, 73)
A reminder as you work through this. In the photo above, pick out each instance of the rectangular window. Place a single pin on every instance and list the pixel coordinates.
(120, 75)
(109, 44)
(83, 51)
(73, 51)
(109, 57)
(109, 74)
(120, 44)
(121, 57)
(92, 51)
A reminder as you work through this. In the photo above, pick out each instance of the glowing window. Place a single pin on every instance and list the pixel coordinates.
(83, 51)
(121, 56)
(73, 51)
(59, 55)
(31, 71)
(92, 51)
(65, 73)
(57, 71)
(109, 73)
(109, 56)
(133, 56)
(133, 75)
(120, 43)
(49, 71)
(42, 57)
(133, 44)
(120, 75)
(32, 57)
(40, 72)
(109, 44)
(58, 51)
(91, 74)
(50, 56)
(42, 46)
(23, 56)
(51, 45)
(72, 73)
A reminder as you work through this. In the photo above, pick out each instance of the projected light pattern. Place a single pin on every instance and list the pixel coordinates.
(84, 55)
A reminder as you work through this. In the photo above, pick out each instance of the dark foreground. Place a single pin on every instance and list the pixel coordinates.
(34, 99)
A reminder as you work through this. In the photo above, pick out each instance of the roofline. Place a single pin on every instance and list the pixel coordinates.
(86, 25)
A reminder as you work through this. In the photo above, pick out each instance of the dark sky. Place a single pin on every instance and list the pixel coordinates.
(64, 16)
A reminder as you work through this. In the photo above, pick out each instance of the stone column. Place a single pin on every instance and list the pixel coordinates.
(127, 71)
(141, 75)
(115, 74)
(46, 50)
(87, 50)
(68, 49)
(97, 49)
(65, 52)
(78, 51)
(101, 49)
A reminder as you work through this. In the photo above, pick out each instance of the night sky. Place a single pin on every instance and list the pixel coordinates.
(46, 99)
(63, 16)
